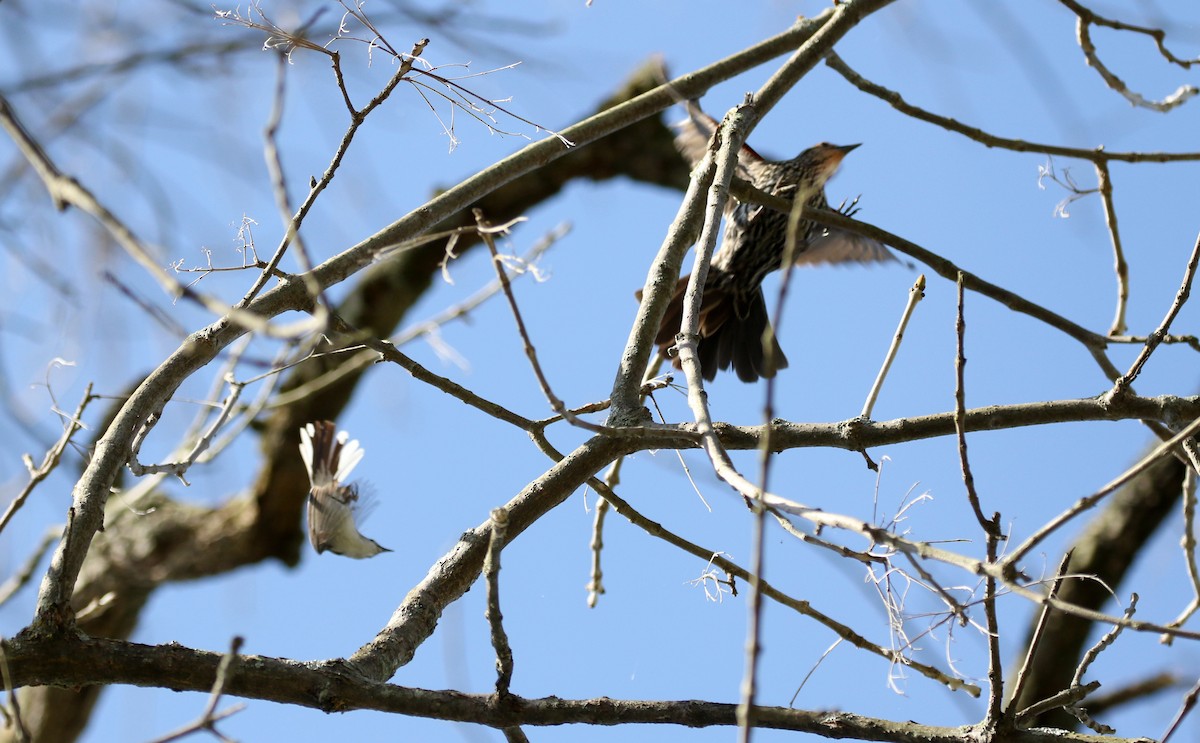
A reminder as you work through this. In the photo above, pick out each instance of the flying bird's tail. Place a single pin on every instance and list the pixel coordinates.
(732, 330)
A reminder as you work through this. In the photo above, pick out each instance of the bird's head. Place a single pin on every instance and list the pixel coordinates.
(822, 161)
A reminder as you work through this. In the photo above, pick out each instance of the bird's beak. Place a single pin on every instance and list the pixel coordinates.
(834, 156)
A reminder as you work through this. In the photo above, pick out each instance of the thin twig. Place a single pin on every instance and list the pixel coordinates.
(515, 735)
(754, 606)
(495, 619)
(180, 468)
(49, 461)
(1158, 34)
(487, 231)
(23, 575)
(210, 717)
(357, 117)
(866, 557)
(426, 327)
(491, 289)
(804, 608)
(612, 478)
(66, 191)
(1188, 541)
(833, 646)
(1062, 699)
(1086, 661)
(388, 352)
(1120, 266)
(224, 673)
(1096, 155)
(915, 295)
(283, 201)
(21, 733)
(926, 578)
(1155, 338)
(990, 527)
(595, 586)
(1132, 691)
(1090, 501)
(1188, 704)
(754, 602)
(653, 384)
(247, 413)
(1191, 341)
(1004, 571)
(1084, 37)
(153, 312)
(1035, 640)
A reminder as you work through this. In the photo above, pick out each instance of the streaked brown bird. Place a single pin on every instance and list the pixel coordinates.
(733, 313)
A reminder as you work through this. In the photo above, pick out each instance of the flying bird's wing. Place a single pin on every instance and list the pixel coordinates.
(834, 245)
(693, 136)
(843, 246)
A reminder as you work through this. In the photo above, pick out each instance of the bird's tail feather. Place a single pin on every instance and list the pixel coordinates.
(731, 333)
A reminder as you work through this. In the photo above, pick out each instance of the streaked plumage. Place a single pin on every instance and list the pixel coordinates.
(733, 316)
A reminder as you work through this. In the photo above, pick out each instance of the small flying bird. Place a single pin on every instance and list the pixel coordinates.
(334, 507)
(733, 315)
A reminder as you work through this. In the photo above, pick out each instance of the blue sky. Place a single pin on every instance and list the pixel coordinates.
(181, 156)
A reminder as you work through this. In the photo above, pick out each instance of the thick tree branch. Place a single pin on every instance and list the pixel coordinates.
(332, 686)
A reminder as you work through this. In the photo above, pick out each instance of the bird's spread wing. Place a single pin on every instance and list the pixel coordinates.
(693, 136)
(834, 245)
(843, 246)
(829, 246)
